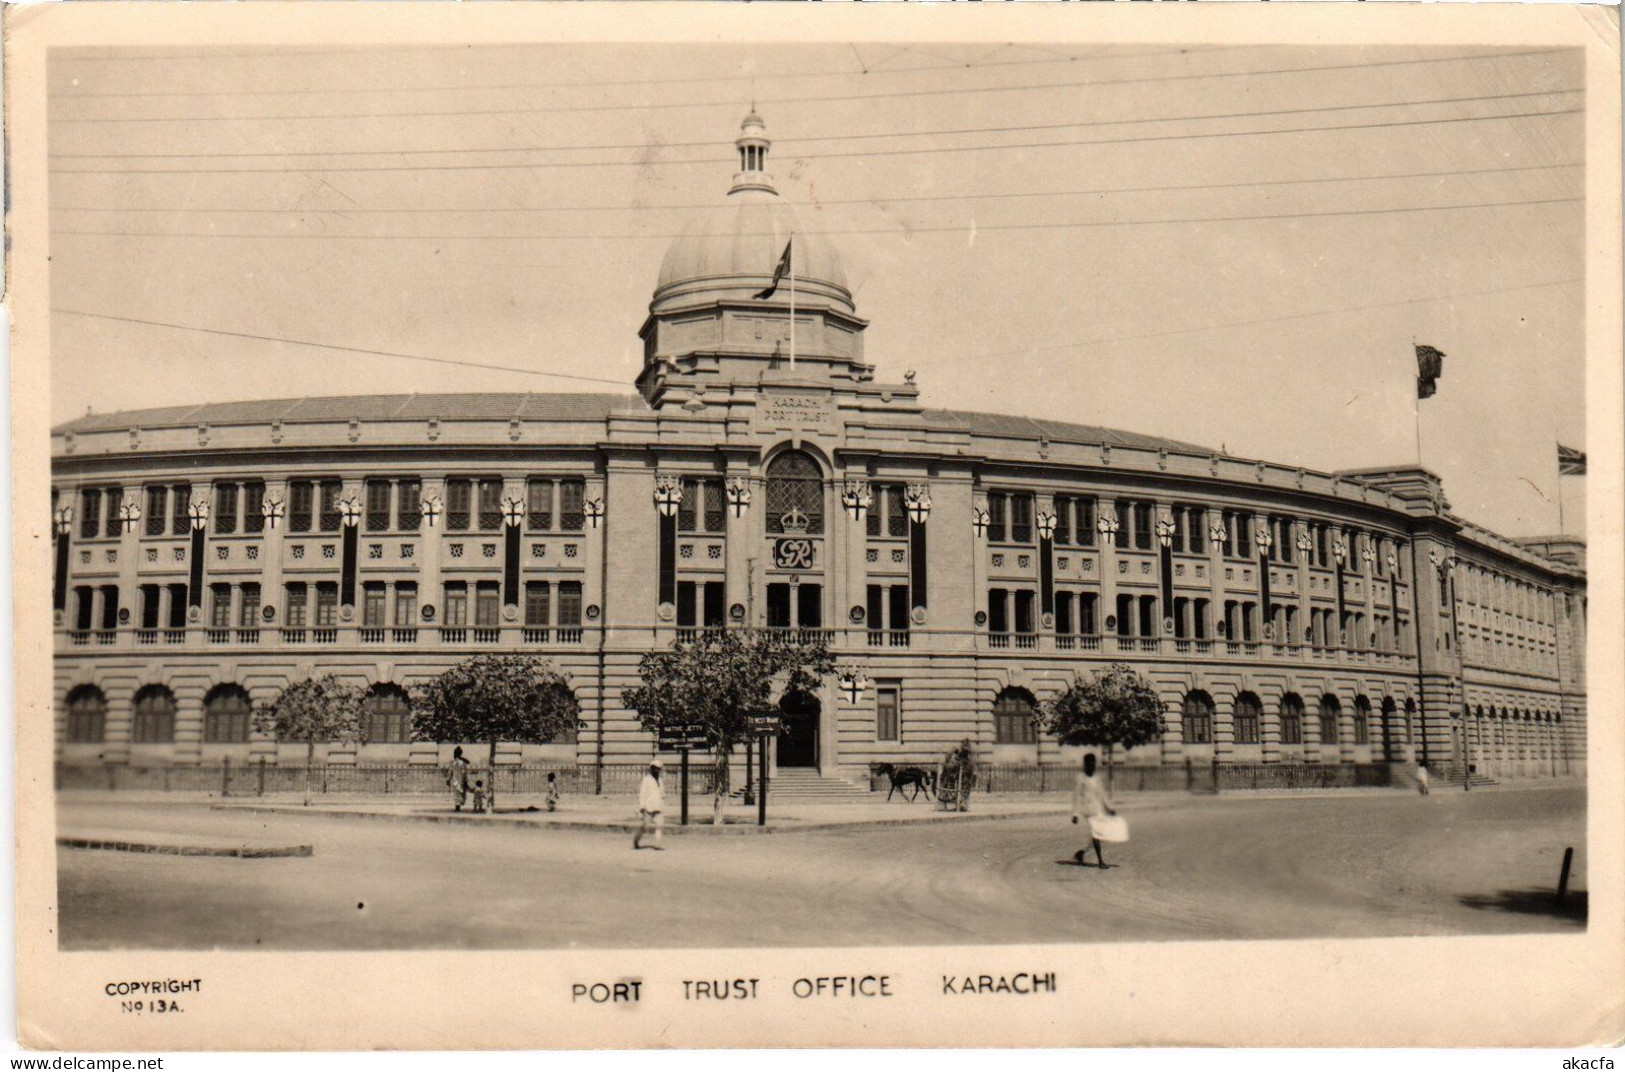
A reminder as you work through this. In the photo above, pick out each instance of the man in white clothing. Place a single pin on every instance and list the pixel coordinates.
(1089, 801)
(651, 807)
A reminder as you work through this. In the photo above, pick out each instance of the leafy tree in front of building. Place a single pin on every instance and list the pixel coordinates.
(492, 698)
(721, 679)
(318, 709)
(1116, 707)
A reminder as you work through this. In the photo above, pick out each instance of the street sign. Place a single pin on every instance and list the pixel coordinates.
(682, 736)
(765, 725)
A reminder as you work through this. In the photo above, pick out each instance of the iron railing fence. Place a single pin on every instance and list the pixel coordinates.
(369, 779)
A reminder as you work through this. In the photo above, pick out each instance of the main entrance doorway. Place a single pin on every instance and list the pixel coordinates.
(798, 745)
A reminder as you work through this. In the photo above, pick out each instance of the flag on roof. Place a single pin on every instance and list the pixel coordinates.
(1429, 367)
(779, 273)
(1570, 462)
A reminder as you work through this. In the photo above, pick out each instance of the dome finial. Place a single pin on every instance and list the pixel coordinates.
(753, 144)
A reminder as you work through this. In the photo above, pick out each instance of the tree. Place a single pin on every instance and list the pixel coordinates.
(315, 709)
(495, 698)
(718, 681)
(1115, 707)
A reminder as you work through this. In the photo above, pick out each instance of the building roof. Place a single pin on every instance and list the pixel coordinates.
(548, 406)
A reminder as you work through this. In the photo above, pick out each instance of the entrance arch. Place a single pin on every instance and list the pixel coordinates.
(798, 744)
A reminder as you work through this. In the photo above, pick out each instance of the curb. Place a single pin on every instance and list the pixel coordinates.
(619, 827)
(241, 852)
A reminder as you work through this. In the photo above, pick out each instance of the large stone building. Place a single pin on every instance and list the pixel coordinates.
(968, 563)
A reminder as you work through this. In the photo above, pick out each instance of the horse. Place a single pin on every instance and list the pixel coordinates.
(917, 778)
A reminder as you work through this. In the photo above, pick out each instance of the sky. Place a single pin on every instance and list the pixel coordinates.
(1153, 238)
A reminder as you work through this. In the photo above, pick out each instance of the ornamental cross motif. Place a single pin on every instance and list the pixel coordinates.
(917, 500)
(64, 519)
(594, 511)
(431, 508)
(1393, 561)
(130, 515)
(513, 511)
(1046, 525)
(1367, 553)
(737, 491)
(856, 499)
(853, 684)
(1165, 531)
(668, 495)
(1304, 542)
(978, 522)
(1262, 537)
(1216, 532)
(198, 511)
(273, 510)
(1340, 550)
(1107, 524)
(350, 510)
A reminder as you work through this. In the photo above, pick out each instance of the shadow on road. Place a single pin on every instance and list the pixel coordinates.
(1535, 902)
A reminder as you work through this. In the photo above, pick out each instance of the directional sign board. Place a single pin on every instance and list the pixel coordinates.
(678, 736)
(765, 725)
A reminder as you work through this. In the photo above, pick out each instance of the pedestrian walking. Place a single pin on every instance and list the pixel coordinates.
(1422, 778)
(1092, 808)
(552, 791)
(651, 807)
(457, 778)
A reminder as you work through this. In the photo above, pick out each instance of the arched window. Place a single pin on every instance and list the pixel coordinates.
(1198, 717)
(1244, 718)
(1362, 720)
(1330, 709)
(1410, 712)
(1291, 719)
(87, 715)
(225, 716)
(1013, 717)
(795, 494)
(154, 716)
(386, 715)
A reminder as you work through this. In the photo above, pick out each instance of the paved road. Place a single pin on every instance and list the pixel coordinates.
(1387, 864)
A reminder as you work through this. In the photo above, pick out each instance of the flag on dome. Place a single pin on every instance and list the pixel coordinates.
(1429, 367)
(778, 273)
(1570, 462)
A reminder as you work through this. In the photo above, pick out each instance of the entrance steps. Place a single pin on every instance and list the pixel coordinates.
(804, 785)
(1452, 776)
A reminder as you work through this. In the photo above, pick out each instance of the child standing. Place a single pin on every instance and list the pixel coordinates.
(552, 792)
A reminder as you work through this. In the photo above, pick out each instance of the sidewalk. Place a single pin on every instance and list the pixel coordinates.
(174, 844)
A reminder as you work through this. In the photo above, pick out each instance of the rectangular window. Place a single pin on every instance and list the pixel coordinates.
(897, 607)
(875, 610)
(225, 508)
(688, 510)
(254, 507)
(714, 609)
(296, 613)
(1025, 622)
(572, 505)
(687, 605)
(1088, 616)
(456, 609)
(409, 504)
(810, 606)
(90, 513)
(372, 605)
(248, 616)
(1063, 614)
(459, 495)
(1196, 524)
(778, 606)
(1142, 526)
(487, 605)
(538, 603)
(84, 604)
(115, 503)
(490, 505)
(151, 604)
(715, 515)
(406, 605)
(1021, 519)
(180, 524)
(109, 606)
(1291, 725)
(1244, 536)
(157, 510)
(996, 516)
(539, 505)
(1086, 522)
(327, 604)
(177, 606)
(378, 505)
(219, 605)
(1125, 524)
(1181, 521)
(886, 711)
(1199, 613)
(570, 605)
(1063, 521)
(301, 505)
(327, 501)
(1148, 616)
(998, 609)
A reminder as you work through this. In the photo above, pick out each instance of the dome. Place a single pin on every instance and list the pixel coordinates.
(732, 250)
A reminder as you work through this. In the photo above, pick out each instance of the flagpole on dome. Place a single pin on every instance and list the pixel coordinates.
(790, 255)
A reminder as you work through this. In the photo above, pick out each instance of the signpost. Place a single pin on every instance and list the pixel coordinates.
(763, 727)
(682, 738)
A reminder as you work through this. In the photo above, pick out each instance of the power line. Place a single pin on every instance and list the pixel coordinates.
(828, 98)
(1243, 323)
(868, 153)
(903, 231)
(823, 201)
(335, 346)
(619, 82)
(711, 142)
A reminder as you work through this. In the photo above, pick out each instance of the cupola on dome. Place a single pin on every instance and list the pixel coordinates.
(731, 251)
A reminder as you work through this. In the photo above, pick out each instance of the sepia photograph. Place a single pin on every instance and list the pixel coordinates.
(553, 494)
